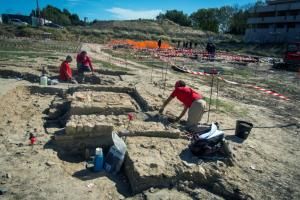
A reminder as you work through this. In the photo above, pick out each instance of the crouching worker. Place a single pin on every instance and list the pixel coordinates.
(84, 64)
(65, 72)
(191, 100)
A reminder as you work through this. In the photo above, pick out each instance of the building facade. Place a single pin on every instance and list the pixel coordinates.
(276, 22)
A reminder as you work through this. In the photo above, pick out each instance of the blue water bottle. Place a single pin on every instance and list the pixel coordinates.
(98, 161)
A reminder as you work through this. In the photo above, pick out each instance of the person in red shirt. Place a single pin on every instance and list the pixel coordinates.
(84, 64)
(65, 72)
(191, 100)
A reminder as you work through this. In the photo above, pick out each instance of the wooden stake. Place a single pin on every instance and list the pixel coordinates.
(211, 90)
(217, 102)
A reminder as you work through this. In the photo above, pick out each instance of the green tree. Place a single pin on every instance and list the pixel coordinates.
(224, 15)
(238, 22)
(55, 15)
(205, 19)
(75, 20)
(66, 12)
(33, 13)
(176, 16)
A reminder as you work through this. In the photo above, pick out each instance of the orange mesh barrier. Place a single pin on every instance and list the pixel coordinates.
(148, 44)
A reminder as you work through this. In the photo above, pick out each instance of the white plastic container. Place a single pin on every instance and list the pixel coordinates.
(99, 151)
(44, 80)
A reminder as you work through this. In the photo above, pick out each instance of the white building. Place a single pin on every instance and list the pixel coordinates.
(278, 21)
(35, 21)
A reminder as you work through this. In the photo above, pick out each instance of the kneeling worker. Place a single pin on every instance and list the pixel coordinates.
(65, 72)
(191, 100)
(84, 64)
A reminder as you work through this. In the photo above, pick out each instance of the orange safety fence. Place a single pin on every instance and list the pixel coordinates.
(147, 44)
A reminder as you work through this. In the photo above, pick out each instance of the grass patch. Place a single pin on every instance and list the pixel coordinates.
(53, 57)
(226, 107)
(149, 62)
(107, 65)
(38, 45)
(16, 55)
(281, 87)
(243, 73)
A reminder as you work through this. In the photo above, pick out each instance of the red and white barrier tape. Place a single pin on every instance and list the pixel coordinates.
(270, 92)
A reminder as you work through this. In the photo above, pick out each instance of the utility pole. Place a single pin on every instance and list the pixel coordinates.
(38, 13)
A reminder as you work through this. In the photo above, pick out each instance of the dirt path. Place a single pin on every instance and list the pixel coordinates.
(95, 50)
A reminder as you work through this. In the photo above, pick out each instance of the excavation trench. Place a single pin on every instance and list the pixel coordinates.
(156, 155)
(102, 77)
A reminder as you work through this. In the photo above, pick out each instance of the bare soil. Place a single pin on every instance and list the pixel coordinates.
(266, 164)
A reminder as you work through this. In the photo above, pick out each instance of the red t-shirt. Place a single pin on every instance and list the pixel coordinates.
(85, 61)
(65, 72)
(186, 95)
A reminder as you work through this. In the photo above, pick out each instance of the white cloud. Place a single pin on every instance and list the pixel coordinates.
(127, 14)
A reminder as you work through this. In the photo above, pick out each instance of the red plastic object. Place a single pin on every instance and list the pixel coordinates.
(32, 140)
(130, 116)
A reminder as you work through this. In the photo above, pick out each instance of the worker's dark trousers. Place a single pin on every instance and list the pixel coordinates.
(81, 70)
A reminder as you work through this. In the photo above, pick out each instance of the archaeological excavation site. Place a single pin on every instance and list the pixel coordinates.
(79, 119)
(157, 154)
(146, 110)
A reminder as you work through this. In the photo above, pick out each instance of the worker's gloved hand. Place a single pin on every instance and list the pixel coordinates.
(161, 111)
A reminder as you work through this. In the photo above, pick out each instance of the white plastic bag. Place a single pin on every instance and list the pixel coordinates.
(212, 133)
(116, 155)
(119, 143)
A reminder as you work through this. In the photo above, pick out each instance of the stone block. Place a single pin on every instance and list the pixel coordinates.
(101, 103)
(88, 128)
(70, 128)
(79, 129)
(162, 162)
(102, 129)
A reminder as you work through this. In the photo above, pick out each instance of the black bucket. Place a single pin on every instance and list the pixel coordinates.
(243, 129)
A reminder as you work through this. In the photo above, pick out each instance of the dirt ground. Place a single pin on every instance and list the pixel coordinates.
(266, 164)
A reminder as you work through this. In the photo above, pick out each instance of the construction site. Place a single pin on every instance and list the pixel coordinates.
(51, 132)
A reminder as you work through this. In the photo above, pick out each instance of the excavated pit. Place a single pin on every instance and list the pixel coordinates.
(102, 77)
(89, 114)
(156, 157)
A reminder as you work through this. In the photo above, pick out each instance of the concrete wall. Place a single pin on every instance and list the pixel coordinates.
(277, 19)
(278, 7)
(268, 35)
(265, 29)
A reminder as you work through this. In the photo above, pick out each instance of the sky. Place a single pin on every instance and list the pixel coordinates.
(117, 9)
